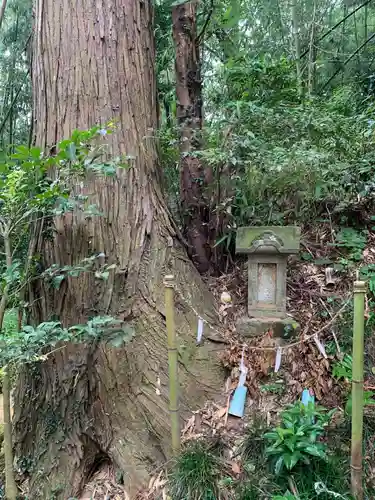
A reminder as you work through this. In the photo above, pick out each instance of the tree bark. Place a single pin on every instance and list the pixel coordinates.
(94, 61)
(194, 178)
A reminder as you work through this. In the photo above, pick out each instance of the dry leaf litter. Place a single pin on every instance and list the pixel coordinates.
(312, 302)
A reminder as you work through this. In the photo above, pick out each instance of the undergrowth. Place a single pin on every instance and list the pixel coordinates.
(203, 472)
(195, 474)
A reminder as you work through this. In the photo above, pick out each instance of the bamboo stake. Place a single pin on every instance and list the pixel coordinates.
(357, 389)
(10, 481)
(173, 364)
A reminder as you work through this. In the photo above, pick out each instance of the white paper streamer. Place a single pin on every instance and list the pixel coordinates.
(200, 330)
(320, 346)
(278, 359)
(243, 369)
(242, 364)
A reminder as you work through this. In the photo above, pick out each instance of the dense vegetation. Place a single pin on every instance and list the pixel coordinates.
(276, 127)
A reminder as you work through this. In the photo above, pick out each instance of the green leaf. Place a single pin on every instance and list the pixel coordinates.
(102, 275)
(179, 2)
(315, 451)
(71, 150)
(284, 432)
(111, 266)
(290, 443)
(57, 280)
(222, 240)
(272, 435)
(36, 153)
(291, 459)
(117, 341)
(122, 337)
(279, 465)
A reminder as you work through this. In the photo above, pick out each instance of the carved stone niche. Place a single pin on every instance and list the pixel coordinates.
(268, 249)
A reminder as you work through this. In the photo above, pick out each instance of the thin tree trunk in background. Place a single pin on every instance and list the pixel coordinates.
(312, 56)
(343, 31)
(94, 61)
(356, 40)
(194, 178)
(7, 114)
(2, 11)
(342, 21)
(11, 121)
(297, 50)
(12, 116)
(9, 101)
(281, 26)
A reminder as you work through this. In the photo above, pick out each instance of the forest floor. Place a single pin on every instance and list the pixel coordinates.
(322, 308)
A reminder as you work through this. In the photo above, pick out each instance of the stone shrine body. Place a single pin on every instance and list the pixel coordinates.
(268, 249)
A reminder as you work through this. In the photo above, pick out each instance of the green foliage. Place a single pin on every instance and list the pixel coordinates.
(277, 160)
(322, 480)
(368, 273)
(253, 444)
(297, 438)
(28, 194)
(56, 274)
(368, 400)
(353, 241)
(343, 368)
(29, 345)
(195, 475)
(278, 387)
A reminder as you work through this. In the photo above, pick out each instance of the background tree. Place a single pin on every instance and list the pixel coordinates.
(195, 178)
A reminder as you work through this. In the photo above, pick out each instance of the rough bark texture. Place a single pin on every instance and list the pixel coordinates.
(93, 61)
(195, 179)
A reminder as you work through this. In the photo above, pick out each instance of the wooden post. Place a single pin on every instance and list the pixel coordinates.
(173, 364)
(357, 389)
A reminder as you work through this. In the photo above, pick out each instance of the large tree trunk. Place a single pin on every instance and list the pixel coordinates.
(93, 61)
(195, 179)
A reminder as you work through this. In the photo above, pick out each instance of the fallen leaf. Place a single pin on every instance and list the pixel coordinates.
(221, 412)
(236, 469)
(189, 425)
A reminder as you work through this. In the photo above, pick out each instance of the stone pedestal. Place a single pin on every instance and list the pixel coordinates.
(268, 249)
(284, 328)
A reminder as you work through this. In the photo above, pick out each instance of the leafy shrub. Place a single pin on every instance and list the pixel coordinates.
(296, 440)
(343, 368)
(352, 241)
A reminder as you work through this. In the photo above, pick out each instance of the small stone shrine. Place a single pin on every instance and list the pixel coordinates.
(268, 249)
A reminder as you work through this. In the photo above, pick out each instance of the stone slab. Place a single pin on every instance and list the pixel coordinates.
(268, 239)
(284, 328)
(267, 286)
